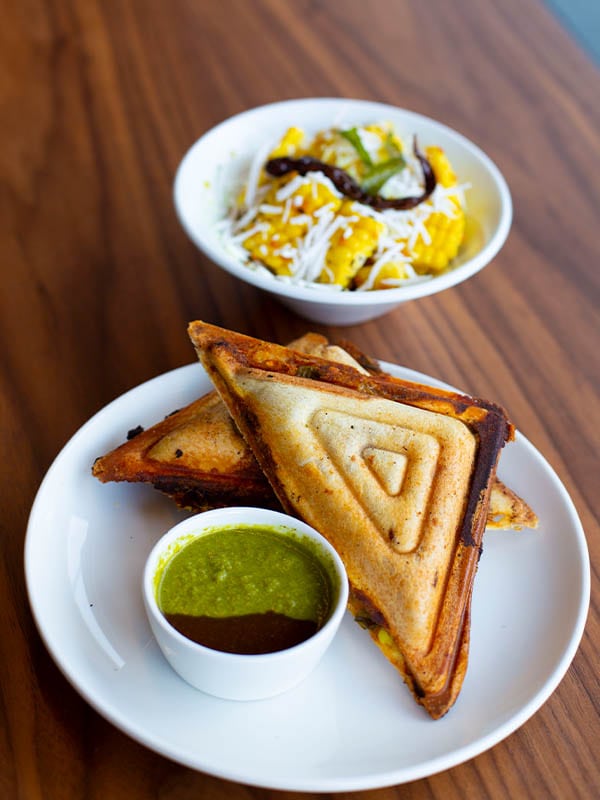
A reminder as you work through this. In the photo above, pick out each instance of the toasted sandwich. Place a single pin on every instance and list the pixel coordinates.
(508, 511)
(197, 456)
(396, 475)
(200, 460)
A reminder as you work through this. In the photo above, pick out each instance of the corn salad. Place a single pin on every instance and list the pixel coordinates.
(302, 229)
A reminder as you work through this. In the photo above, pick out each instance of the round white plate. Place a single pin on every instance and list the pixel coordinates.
(352, 724)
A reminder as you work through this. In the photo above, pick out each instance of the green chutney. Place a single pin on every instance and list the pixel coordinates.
(246, 589)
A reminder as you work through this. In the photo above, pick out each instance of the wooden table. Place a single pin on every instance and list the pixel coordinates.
(99, 102)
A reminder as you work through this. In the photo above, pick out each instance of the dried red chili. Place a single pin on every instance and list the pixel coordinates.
(345, 184)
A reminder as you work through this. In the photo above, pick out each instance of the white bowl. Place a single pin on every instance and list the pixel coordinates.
(230, 675)
(211, 168)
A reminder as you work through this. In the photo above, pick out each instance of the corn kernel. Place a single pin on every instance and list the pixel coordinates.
(446, 237)
(289, 144)
(386, 275)
(442, 169)
(265, 246)
(351, 247)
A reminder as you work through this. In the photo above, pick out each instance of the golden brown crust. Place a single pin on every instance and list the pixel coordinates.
(253, 376)
(436, 704)
(508, 510)
(192, 470)
(199, 459)
(197, 456)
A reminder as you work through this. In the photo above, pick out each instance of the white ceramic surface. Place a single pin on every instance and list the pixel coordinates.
(352, 724)
(229, 675)
(212, 166)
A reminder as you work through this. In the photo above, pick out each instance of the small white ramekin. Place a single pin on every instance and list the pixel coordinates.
(230, 675)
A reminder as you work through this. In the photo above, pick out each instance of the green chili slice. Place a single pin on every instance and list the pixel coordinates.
(353, 136)
(381, 173)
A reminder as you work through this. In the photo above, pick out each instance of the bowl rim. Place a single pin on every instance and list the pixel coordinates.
(328, 296)
(214, 518)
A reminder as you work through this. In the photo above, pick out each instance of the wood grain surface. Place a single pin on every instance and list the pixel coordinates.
(98, 102)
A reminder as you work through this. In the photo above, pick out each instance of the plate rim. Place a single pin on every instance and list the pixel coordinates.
(431, 766)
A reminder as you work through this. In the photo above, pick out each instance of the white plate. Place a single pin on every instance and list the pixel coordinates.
(352, 724)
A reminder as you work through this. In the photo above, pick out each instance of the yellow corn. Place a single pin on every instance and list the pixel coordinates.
(386, 275)
(388, 137)
(264, 246)
(348, 251)
(352, 248)
(446, 232)
(446, 235)
(331, 148)
(289, 144)
(442, 169)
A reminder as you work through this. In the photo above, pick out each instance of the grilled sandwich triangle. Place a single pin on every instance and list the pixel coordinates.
(396, 475)
(197, 456)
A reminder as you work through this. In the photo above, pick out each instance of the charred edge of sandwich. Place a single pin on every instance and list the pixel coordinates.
(369, 617)
(247, 423)
(437, 705)
(490, 442)
(365, 361)
(365, 611)
(181, 478)
(213, 486)
(248, 352)
(199, 497)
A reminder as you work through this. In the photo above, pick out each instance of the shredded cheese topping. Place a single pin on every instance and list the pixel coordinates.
(301, 229)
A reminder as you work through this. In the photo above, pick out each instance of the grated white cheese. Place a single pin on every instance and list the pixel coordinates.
(306, 256)
(265, 208)
(301, 219)
(258, 228)
(255, 172)
(287, 210)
